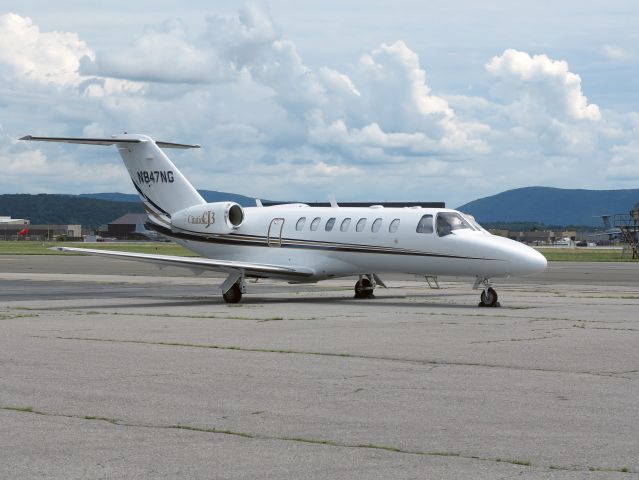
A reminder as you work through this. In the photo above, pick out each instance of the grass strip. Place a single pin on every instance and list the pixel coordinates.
(22, 247)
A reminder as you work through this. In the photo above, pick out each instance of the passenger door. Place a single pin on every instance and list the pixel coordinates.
(275, 232)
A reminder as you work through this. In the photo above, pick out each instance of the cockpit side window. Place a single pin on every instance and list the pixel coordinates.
(447, 222)
(425, 224)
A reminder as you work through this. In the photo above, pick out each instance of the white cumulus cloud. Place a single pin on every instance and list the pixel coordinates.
(541, 85)
(41, 57)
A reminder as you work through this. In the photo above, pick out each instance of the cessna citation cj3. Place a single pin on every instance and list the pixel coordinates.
(302, 244)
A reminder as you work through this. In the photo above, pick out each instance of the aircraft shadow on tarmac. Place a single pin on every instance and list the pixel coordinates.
(396, 301)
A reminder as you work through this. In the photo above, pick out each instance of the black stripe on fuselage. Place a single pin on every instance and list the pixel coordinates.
(258, 241)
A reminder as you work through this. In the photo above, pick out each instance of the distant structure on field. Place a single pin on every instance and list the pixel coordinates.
(15, 228)
(540, 237)
(126, 227)
(624, 228)
(13, 221)
(365, 204)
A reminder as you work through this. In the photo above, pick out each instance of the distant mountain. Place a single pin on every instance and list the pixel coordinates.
(535, 205)
(45, 209)
(554, 206)
(208, 195)
(113, 196)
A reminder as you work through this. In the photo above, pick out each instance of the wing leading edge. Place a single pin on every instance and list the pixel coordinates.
(199, 263)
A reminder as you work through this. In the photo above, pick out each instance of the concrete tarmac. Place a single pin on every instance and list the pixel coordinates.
(111, 369)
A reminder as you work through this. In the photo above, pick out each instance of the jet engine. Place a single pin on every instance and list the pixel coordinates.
(216, 218)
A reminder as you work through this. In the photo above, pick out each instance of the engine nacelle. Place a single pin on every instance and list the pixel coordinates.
(218, 217)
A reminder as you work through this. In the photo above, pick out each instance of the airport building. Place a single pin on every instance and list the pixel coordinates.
(13, 221)
(12, 231)
(124, 227)
(538, 237)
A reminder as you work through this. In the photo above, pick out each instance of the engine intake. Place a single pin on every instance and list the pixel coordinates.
(217, 217)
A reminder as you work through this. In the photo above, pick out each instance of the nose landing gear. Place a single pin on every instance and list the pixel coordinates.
(488, 296)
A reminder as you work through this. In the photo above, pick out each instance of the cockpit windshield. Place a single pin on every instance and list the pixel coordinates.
(449, 221)
(473, 222)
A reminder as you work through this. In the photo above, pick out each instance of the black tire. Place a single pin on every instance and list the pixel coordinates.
(364, 288)
(489, 297)
(233, 295)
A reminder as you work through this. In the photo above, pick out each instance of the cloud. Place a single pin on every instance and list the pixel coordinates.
(617, 54)
(388, 106)
(274, 126)
(164, 53)
(624, 164)
(168, 53)
(35, 172)
(394, 70)
(537, 107)
(541, 86)
(51, 58)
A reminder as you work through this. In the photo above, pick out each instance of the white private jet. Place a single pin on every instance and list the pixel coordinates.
(302, 244)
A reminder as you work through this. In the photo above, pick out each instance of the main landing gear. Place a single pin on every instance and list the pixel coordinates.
(234, 294)
(488, 296)
(365, 286)
(233, 287)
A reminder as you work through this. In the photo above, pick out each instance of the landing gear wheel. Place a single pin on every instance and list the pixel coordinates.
(489, 298)
(364, 288)
(233, 295)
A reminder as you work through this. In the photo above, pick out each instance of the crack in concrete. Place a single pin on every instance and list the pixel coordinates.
(493, 315)
(334, 354)
(316, 441)
(171, 315)
(584, 327)
(14, 316)
(613, 328)
(516, 339)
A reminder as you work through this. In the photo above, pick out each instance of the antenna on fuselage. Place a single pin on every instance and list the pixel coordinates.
(331, 198)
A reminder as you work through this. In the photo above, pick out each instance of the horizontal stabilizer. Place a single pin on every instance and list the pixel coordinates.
(104, 141)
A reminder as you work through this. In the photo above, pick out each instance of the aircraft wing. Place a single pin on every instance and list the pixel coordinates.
(203, 264)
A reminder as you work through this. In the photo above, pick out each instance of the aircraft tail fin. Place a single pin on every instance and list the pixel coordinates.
(161, 186)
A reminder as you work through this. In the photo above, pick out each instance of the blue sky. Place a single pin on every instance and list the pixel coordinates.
(446, 100)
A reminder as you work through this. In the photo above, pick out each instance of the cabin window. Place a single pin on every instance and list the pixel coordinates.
(392, 228)
(425, 224)
(329, 224)
(361, 223)
(315, 223)
(449, 221)
(345, 224)
(300, 223)
(377, 224)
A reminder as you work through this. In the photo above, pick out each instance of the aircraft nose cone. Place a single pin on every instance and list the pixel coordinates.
(529, 261)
